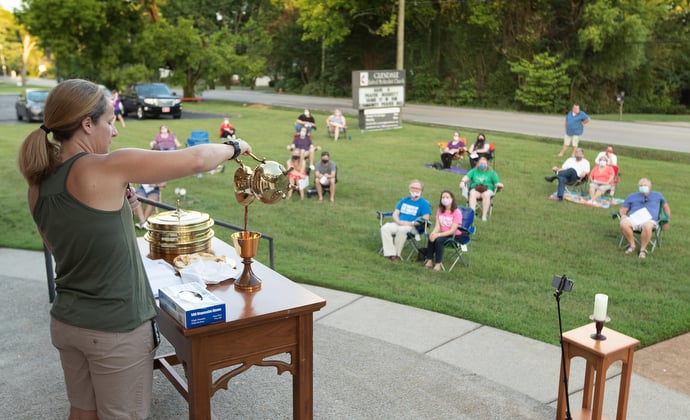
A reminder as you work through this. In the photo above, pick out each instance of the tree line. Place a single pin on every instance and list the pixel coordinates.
(538, 55)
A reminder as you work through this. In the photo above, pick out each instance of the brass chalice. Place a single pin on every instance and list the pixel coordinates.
(246, 244)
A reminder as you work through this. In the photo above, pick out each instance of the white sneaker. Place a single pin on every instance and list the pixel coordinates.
(484, 219)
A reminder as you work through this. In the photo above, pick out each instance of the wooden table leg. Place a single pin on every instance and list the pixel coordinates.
(302, 380)
(561, 406)
(199, 382)
(624, 391)
(589, 382)
(598, 407)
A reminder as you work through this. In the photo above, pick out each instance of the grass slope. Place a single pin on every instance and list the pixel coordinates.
(514, 255)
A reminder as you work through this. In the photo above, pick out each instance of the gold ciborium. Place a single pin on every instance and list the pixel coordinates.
(246, 244)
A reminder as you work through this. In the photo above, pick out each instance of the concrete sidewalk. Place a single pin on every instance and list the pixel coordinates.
(372, 359)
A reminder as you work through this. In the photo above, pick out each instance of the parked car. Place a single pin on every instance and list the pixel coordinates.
(30, 103)
(151, 100)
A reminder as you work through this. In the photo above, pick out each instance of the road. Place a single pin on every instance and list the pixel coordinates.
(672, 136)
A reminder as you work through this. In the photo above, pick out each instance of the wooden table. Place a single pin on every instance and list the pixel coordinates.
(599, 355)
(276, 319)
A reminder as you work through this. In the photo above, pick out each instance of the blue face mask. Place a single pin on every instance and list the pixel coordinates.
(482, 167)
(644, 189)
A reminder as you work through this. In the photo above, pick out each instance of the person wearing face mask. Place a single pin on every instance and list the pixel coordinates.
(405, 215)
(301, 143)
(608, 154)
(482, 183)
(455, 149)
(601, 180)
(479, 148)
(305, 120)
(573, 169)
(325, 176)
(640, 212)
(448, 221)
(165, 140)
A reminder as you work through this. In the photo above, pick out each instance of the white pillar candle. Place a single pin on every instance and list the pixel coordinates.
(600, 303)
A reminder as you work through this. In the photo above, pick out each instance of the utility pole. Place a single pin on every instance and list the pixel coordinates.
(400, 57)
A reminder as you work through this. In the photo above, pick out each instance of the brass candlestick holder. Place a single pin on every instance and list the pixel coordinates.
(246, 245)
(599, 325)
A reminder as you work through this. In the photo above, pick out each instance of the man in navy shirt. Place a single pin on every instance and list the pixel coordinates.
(640, 212)
(575, 121)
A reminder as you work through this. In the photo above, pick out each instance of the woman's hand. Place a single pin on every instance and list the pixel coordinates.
(132, 197)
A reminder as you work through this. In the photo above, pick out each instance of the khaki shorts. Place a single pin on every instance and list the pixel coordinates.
(571, 140)
(111, 373)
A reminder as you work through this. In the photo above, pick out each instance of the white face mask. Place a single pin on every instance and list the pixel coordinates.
(415, 194)
(446, 201)
(456, 137)
(602, 164)
(164, 130)
(644, 189)
(306, 113)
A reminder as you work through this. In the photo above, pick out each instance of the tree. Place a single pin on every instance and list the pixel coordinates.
(86, 37)
(543, 82)
(10, 43)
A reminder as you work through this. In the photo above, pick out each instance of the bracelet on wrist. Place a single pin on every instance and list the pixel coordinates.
(236, 145)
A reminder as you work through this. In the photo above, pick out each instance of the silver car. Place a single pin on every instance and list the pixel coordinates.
(30, 104)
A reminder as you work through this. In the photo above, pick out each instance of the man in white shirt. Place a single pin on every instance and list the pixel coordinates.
(609, 155)
(574, 168)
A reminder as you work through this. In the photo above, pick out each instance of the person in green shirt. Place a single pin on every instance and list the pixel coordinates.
(103, 316)
(482, 183)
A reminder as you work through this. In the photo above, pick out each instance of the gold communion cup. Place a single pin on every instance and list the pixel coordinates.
(246, 244)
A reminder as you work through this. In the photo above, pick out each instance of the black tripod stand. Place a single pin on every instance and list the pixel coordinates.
(563, 284)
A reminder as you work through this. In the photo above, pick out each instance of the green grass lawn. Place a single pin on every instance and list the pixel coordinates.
(526, 242)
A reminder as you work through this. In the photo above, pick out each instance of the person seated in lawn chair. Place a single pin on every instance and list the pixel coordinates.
(454, 150)
(305, 120)
(479, 149)
(448, 222)
(297, 175)
(301, 143)
(602, 179)
(337, 124)
(407, 211)
(574, 168)
(227, 131)
(641, 212)
(481, 183)
(325, 176)
(608, 154)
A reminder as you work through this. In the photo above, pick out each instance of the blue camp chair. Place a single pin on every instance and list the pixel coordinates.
(459, 247)
(198, 137)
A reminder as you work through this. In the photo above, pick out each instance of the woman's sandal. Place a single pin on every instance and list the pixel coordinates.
(630, 250)
(643, 253)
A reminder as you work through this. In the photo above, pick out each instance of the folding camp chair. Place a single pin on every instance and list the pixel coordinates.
(655, 241)
(459, 246)
(415, 237)
(478, 204)
(198, 137)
